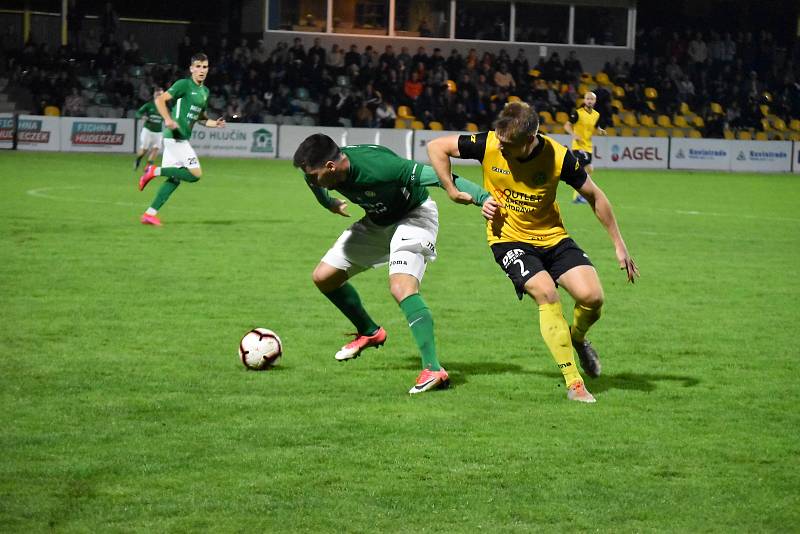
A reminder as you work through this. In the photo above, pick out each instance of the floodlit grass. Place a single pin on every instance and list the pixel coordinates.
(125, 408)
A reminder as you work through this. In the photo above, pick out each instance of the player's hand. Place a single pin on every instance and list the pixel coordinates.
(459, 197)
(602, 131)
(490, 209)
(171, 124)
(462, 197)
(340, 208)
(627, 264)
(220, 123)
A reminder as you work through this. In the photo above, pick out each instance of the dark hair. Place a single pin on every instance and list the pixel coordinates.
(515, 119)
(198, 56)
(315, 151)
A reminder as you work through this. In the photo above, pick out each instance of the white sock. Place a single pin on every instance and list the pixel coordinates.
(151, 211)
(157, 171)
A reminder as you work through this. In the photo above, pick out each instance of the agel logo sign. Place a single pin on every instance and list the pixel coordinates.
(637, 153)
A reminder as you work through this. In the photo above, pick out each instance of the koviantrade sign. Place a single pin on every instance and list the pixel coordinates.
(796, 156)
(97, 135)
(761, 156)
(711, 154)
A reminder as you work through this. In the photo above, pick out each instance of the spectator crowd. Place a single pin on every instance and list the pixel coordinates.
(346, 85)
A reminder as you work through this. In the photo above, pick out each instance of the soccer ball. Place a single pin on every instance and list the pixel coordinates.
(260, 349)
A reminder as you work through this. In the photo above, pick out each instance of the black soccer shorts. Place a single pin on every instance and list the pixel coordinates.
(583, 157)
(521, 261)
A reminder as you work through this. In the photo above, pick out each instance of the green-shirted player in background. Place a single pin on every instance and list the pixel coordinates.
(400, 227)
(179, 163)
(150, 139)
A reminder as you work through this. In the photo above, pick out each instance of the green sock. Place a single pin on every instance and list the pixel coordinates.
(181, 173)
(420, 321)
(349, 303)
(167, 188)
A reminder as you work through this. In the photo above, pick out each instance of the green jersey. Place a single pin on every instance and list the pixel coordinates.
(387, 186)
(154, 120)
(191, 101)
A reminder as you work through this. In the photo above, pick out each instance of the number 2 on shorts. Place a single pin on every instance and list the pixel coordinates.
(522, 270)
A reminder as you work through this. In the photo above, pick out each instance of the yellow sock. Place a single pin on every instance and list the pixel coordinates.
(555, 332)
(583, 317)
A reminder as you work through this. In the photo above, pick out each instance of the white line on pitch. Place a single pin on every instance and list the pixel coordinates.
(42, 193)
(710, 213)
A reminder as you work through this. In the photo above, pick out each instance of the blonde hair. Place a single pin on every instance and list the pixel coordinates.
(516, 119)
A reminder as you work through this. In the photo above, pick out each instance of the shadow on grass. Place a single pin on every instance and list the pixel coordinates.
(460, 372)
(269, 370)
(472, 368)
(230, 222)
(628, 381)
(640, 382)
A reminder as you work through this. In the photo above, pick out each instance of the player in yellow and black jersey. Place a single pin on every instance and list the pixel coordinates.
(521, 171)
(581, 126)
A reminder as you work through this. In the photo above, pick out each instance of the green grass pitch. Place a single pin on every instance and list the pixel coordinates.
(125, 408)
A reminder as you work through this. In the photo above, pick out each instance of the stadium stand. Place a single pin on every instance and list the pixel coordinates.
(743, 86)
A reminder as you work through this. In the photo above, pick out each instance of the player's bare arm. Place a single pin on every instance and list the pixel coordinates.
(602, 209)
(212, 123)
(440, 150)
(569, 130)
(161, 106)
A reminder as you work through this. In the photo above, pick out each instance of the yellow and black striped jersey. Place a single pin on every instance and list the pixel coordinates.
(583, 124)
(525, 189)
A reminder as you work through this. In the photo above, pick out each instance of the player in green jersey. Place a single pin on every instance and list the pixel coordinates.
(179, 163)
(150, 139)
(400, 227)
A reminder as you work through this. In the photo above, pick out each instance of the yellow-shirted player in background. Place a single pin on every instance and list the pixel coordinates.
(521, 170)
(581, 125)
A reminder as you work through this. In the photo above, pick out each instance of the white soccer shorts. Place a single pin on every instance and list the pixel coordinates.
(149, 139)
(407, 246)
(179, 154)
